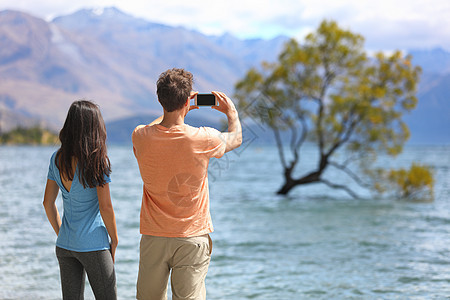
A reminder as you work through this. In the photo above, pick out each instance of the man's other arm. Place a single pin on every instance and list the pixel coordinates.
(233, 137)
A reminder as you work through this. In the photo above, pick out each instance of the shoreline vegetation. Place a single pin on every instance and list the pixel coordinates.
(29, 136)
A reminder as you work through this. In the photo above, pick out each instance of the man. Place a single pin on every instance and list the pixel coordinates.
(175, 220)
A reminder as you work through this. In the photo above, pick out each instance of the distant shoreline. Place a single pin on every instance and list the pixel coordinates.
(34, 136)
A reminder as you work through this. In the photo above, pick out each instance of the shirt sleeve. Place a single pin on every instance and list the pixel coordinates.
(107, 178)
(51, 168)
(135, 138)
(216, 142)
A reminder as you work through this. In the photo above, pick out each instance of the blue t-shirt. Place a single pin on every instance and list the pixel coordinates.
(82, 227)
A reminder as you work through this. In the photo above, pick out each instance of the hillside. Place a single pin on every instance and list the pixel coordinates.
(29, 136)
(111, 58)
(114, 59)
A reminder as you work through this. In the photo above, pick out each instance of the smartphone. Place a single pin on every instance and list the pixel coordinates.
(205, 100)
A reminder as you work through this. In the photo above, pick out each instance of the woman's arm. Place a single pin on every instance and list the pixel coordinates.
(51, 192)
(107, 212)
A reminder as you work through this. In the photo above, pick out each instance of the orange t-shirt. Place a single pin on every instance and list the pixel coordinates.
(174, 168)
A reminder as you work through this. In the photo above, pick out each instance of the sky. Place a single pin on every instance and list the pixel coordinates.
(385, 24)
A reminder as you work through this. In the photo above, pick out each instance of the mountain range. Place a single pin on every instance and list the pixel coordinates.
(111, 58)
(114, 59)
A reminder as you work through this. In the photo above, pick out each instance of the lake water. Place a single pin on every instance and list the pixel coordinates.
(316, 243)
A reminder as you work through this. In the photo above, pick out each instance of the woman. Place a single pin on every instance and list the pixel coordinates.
(81, 169)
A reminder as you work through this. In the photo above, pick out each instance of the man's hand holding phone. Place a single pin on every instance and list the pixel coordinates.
(191, 107)
(225, 105)
(233, 136)
(219, 101)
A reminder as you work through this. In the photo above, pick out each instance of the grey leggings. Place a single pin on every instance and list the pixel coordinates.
(100, 270)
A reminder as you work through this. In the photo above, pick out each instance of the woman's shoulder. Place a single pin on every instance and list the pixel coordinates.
(53, 157)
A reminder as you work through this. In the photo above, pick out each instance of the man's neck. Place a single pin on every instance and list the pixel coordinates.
(173, 118)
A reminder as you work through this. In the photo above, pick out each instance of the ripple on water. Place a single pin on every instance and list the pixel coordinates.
(314, 244)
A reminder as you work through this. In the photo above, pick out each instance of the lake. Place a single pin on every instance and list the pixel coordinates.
(317, 243)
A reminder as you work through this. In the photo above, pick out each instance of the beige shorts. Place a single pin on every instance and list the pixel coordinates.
(188, 258)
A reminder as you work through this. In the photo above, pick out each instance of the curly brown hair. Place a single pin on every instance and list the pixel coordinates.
(173, 87)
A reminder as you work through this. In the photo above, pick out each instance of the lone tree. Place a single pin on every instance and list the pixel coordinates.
(330, 92)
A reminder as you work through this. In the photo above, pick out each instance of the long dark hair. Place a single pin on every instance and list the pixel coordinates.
(83, 137)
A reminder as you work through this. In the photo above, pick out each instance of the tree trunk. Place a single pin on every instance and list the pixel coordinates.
(290, 183)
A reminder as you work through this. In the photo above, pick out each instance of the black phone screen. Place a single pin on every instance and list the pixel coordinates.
(206, 100)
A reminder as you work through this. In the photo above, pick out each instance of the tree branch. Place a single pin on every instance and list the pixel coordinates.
(351, 158)
(304, 132)
(351, 174)
(294, 150)
(296, 142)
(346, 136)
(280, 147)
(319, 127)
(329, 76)
(341, 187)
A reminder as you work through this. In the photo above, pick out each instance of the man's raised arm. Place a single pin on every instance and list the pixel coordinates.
(233, 136)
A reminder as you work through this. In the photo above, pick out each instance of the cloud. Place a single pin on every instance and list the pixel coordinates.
(386, 24)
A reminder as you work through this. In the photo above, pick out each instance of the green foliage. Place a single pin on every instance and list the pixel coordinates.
(329, 91)
(413, 184)
(29, 136)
